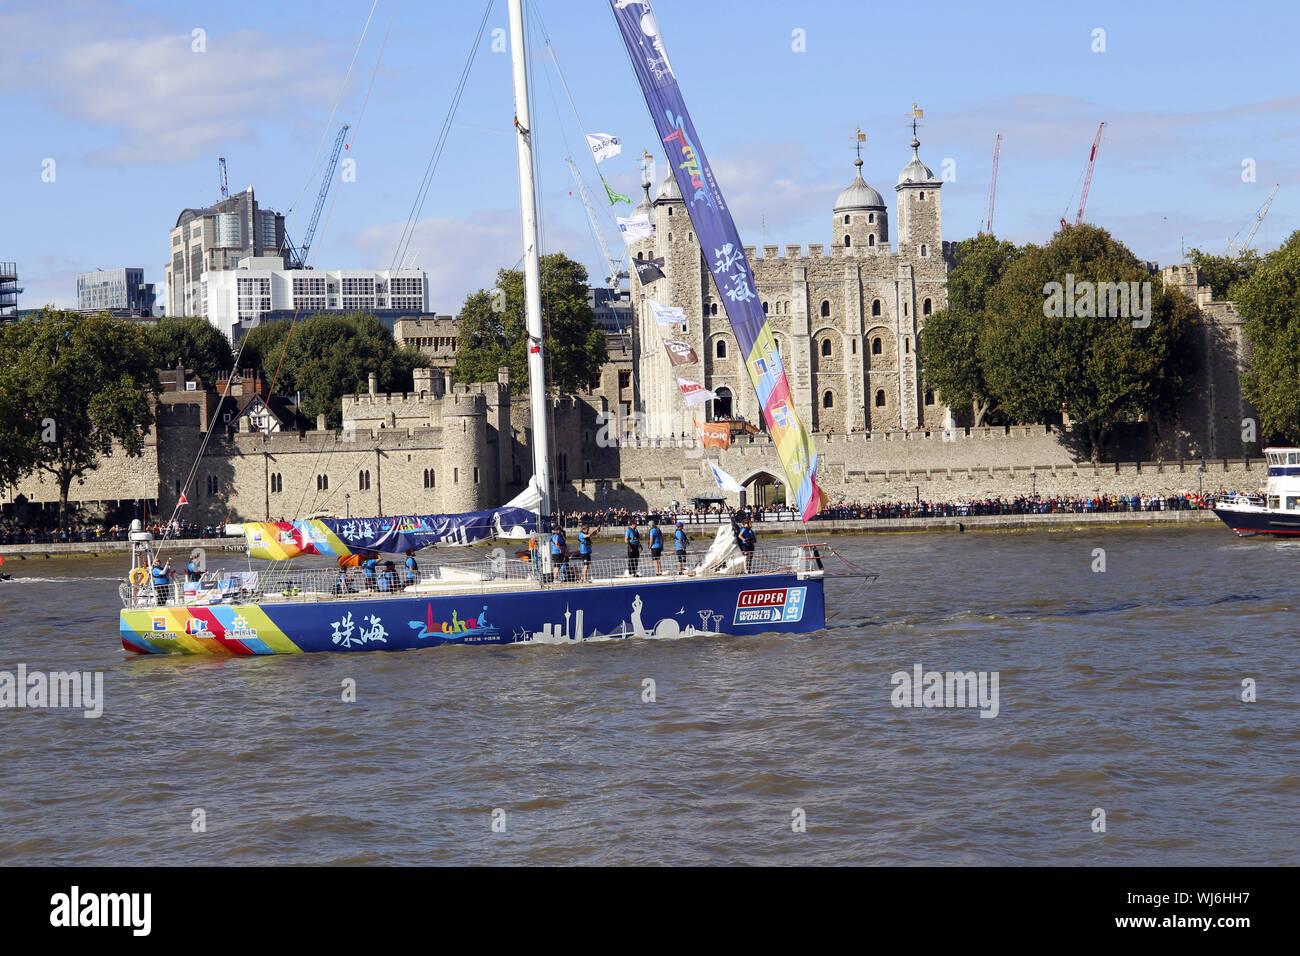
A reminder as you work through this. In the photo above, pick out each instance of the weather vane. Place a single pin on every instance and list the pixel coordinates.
(859, 138)
(917, 115)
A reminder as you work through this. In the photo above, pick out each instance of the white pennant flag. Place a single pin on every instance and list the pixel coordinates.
(603, 145)
(724, 480)
(693, 393)
(635, 227)
(666, 314)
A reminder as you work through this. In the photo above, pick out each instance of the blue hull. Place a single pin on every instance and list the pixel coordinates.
(749, 604)
(1260, 522)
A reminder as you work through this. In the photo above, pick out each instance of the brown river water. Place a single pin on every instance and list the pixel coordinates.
(1118, 690)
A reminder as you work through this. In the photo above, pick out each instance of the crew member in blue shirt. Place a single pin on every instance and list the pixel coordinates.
(679, 542)
(192, 572)
(584, 549)
(412, 569)
(656, 544)
(162, 579)
(747, 541)
(560, 553)
(368, 567)
(633, 538)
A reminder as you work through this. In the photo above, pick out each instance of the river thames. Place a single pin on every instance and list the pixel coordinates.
(1119, 690)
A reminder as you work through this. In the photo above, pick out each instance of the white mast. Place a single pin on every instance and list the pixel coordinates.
(532, 265)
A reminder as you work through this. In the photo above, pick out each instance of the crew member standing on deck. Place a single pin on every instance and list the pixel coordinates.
(633, 538)
(412, 568)
(192, 572)
(584, 549)
(560, 552)
(679, 542)
(162, 579)
(368, 568)
(656, 544)
(747, 542)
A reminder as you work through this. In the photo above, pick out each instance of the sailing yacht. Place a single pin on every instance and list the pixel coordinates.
(524, 598)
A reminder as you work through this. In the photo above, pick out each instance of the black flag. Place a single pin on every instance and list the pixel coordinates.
(649, 270)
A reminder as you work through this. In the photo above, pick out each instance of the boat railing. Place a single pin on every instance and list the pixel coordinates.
(501, 573)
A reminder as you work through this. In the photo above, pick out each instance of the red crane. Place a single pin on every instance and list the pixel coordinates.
(1087, 179)
(993, 185)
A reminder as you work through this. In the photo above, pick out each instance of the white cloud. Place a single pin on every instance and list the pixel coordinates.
(139, 79)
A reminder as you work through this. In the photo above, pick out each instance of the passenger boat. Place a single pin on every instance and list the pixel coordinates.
(506, 600)
(1277, 511)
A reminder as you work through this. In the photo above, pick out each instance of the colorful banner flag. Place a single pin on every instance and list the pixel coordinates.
(666, 314)
(720, 242)
(714, 435)
(603, 146)
(693, 393)
(649, 270)
(724, 480)
(635, 228)
(680, 353)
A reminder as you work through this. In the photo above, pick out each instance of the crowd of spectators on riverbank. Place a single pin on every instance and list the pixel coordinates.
(1022, 505)
(89, 533)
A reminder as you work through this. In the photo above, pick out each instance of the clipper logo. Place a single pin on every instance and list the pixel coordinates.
(770, 606)
(160, 624)
(195, 626)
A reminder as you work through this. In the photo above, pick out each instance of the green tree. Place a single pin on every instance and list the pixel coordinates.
(77, 385)
(329, 356)
(1100, 369)
(1270, 303)
(192, 341)
(1223, 274)
(949, 343)
(493, 330)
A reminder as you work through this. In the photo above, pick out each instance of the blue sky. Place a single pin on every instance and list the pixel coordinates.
(134, 119)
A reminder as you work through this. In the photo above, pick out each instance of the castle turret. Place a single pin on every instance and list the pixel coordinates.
(464, 481)
(919, 213)
(860, 220)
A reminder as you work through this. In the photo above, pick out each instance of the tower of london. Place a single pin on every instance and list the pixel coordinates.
(845, 315)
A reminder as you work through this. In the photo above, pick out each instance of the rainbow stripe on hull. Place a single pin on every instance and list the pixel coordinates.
(749, 604)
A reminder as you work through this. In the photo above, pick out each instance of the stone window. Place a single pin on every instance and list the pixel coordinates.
(876, 346)
(848, 240)
(871, 240)
(624, 378)
(670, 237)
(846, 220)
(722, 404)
(363, 481)
(277, 484)
(713, 308)
(476, 476)
(929, 396)
(765, 308)
(871, 217)
(828, 399)
(322, 482)
(907, 346)
(428, 478)
(875, 307)
(904, 308)
(826, 308)
(213, 485)
(826, 351)
(922, 195)
(455, 476)
(925, 307)
(720, 349)
(924, 251)
(853, 344)
(670, 210)
(880, 398)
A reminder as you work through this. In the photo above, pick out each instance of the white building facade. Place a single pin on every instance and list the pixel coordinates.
(261, 284)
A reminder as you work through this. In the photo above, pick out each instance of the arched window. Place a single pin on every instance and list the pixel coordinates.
(871, 217)
(876, 346)
(924, 252)
(848, 240)
(846, 220)
(875, 307)
(826, 308)
(720, 349)
(880, 398)
(826, 350)
(765, 308)
(363, 481)
(922, 195)
(670, 210)
(925, 307)
(322, 482)
(428, 477)
(871, 240)
(722, 404)
(929, 396)
(907, 346)
(670, 235)
(713, 308)
(828, 400)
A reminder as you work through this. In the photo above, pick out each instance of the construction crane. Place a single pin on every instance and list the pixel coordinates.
(1250, 237)
(299, 255)
(993, 185)
(221, 161)
(1087, 179)
(616, 271)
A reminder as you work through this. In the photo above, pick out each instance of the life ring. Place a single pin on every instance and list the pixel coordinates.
(138, 576)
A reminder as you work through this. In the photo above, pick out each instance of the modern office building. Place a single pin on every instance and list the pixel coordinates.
(613, 311)
(216, 239)
(115, 290)
(242, 296)
(9, 288)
